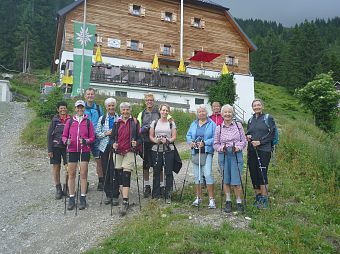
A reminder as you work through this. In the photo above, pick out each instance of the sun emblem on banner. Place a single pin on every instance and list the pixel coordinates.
(84, 36)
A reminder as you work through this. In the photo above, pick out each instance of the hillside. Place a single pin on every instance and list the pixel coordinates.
(304, 211)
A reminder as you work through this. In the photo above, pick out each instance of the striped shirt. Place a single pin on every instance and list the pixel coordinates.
(229, 136)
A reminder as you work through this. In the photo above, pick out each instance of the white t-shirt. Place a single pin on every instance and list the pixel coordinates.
(163, 130)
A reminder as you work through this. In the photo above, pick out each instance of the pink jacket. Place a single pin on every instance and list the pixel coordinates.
(77, 131)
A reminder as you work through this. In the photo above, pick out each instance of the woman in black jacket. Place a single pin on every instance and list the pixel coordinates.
(260, 135)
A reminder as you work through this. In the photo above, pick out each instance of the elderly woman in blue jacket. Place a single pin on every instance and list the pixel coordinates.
(200, 138)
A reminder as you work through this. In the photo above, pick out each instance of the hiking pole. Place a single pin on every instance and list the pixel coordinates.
(140, 205)
(164, 175)
(114, 178)
(222, 177)
(245, 189)
(78, 185)
(199, 175)
(66, 178)
(238, 169)
(106, 173)
(185, 177)
(261, 169)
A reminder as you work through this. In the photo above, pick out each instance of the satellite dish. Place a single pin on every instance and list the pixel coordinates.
(56, 61)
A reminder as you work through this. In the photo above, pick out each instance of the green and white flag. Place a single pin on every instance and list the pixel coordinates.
(82, 37)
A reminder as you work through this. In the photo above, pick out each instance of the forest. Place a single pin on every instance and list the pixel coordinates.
(286, 56)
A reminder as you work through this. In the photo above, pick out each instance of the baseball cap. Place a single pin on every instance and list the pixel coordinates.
(79, 102)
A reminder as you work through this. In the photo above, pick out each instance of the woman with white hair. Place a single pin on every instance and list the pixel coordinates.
(229, 141)
(200, 138)
(126, 142)
(103, 133)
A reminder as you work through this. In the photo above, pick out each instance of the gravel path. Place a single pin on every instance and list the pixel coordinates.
(31, 220)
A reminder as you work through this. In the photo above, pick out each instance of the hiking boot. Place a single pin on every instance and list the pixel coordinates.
(71, 203)
(115, 201)
(100, 186)
(197, 202)
(263, 202)
(227, 208)
(240, 207)
(147, 191)
(212, 204)
(257, 200)
(108, 201)
(59, 192)
(124, 208)
(82, 203)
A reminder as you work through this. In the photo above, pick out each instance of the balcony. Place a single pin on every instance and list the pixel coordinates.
(130, 76)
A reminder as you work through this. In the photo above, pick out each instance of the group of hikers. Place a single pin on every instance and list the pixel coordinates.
(115, 141)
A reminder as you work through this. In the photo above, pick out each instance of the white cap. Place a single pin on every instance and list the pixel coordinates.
(79, 102)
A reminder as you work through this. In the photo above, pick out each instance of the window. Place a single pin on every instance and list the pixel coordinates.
(199, 101)
(166, 50)
(121, 94)
(134, 45)
(168, 16)
(231, 61)
(197, 22)
(136, 10)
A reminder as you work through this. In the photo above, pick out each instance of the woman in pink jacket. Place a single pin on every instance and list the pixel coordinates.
(78, 135)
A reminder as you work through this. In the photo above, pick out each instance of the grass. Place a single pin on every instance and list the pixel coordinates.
(304, 211)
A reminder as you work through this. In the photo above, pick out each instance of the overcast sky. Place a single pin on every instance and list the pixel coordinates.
(287, 12)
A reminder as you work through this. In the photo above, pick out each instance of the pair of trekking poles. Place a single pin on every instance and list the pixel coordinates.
(113, 178)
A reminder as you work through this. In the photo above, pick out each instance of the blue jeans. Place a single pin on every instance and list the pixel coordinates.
(206, 170)
(231, 170)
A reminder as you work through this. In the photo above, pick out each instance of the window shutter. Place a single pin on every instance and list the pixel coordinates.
(130, 8)
(236, 61)
(192, 21)
(161, 46)
(128, 44)
(140, 46)
(174, 17)
(163, 15)
(202, 23)
(172, 51)
(142, 11)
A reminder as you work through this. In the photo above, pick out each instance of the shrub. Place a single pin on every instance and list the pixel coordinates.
(47, 109)
(224, 91)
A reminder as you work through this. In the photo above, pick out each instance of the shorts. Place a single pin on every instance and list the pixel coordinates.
(74, 157)
(58, 153)
(95, 149)
(125, 161)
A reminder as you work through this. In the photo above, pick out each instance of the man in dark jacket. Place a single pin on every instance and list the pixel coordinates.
(56, 148)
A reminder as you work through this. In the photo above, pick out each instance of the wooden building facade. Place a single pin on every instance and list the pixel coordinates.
(137, 29)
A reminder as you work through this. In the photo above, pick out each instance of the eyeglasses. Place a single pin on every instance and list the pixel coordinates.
(149, 100)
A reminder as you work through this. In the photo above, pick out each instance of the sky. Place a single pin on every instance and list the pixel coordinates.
(286, 12)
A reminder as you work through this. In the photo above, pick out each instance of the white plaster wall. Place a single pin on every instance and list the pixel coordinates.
(5, 93)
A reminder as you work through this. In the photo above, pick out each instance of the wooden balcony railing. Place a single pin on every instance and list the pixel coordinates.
(153, 79)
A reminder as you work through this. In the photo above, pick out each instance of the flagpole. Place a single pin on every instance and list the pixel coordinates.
(83, 53)
(181, 36)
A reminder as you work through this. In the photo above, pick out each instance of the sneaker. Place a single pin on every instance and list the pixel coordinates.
(212, 204)
(239, 207)
(257, 199)
(115, 201)
(124, 208)
(197, 202)
(71, 203)
(227, 208)
(82, 203)
(147, 191)
(108, 201)
(59, 192)
(263, 202)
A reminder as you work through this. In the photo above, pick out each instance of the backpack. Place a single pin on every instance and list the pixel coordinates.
(275, 141)
(170, 123)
